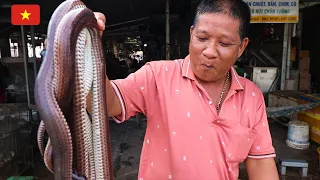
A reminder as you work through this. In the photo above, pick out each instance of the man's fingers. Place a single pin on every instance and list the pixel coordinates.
(101, 20)
(100, 16)
(101, 26)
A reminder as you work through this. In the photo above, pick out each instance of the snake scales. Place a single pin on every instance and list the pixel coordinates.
(73, 67)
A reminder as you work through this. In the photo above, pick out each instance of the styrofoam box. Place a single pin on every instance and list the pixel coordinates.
(263, 77)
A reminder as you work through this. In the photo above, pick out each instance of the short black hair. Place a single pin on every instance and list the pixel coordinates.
(237, 9)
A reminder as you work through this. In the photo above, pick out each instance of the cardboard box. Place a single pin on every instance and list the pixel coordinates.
(303, 53)
(305, 82)
(293, 53)
(293, 56)
(291, 84)
(304, 65)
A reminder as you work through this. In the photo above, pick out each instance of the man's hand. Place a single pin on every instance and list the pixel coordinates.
(113, 103)
(261, 169)
(101, 18)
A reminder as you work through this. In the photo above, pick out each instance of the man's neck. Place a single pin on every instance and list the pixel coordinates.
(217, 83)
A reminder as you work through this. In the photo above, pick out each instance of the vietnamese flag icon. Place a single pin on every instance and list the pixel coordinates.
(25, 14)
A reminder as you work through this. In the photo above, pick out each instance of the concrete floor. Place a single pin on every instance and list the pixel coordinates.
(127, 141)
(279, 136)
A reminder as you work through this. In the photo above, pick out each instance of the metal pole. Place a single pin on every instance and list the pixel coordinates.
(168, 29)
(25, 58)
(284, 56)
(34, 52)
(126, 22)
(288, 51)
(299, 37)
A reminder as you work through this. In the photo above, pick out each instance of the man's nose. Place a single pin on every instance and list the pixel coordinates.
(211, 51)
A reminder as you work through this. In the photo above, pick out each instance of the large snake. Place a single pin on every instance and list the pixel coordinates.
(73, 67)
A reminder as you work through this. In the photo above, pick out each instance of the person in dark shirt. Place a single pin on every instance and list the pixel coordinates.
(4, 73)
(42, 54)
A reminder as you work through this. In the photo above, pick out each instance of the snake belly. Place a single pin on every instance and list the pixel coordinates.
(73, 67)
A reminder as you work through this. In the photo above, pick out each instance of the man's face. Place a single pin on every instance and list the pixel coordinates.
(215, 45)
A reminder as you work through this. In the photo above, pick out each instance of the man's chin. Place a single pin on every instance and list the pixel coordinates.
(206, 77)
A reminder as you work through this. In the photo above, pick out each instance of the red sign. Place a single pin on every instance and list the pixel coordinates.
(25, 14)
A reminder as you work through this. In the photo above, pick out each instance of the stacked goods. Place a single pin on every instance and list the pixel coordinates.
(312, 116)
(305, 76)
(304, 66)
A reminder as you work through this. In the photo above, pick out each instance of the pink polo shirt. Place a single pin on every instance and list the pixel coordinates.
(185, 137)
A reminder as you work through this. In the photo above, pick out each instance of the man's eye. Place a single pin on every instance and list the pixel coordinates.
(202, 39)
(225, 44)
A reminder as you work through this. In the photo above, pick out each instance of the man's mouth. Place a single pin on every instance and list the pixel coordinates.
(207, 66)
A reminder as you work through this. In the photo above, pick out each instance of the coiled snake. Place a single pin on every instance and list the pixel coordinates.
(73, 67)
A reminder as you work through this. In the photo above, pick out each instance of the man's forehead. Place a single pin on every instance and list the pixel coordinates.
(222, 18)
(227, 25)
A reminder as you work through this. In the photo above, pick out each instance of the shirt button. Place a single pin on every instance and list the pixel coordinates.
(210, 102)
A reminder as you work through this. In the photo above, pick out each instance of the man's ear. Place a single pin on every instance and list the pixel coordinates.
(191, 29)
(243, 46)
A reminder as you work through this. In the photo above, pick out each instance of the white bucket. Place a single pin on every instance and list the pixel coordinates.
(298, 135)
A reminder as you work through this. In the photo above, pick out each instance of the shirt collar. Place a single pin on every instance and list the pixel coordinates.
(187, 73)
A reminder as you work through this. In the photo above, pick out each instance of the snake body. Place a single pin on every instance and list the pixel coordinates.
(73, 67)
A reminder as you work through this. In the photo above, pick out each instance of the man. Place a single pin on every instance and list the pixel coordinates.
(203, 119)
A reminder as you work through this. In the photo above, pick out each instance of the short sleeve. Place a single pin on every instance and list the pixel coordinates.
(262, 146)
(135, 92)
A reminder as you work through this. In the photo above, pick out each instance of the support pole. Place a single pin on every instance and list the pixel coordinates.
(34, 58)
(284, 56)
(288, 65)
(299, 37)
(25, 58)
(167, 29)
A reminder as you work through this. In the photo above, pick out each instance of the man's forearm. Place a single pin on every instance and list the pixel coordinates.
(261, 169)
(113, 104)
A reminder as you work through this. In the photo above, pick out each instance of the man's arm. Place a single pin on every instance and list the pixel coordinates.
(261, 169)
(113, 103)
(131, 95)
(260, 163)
